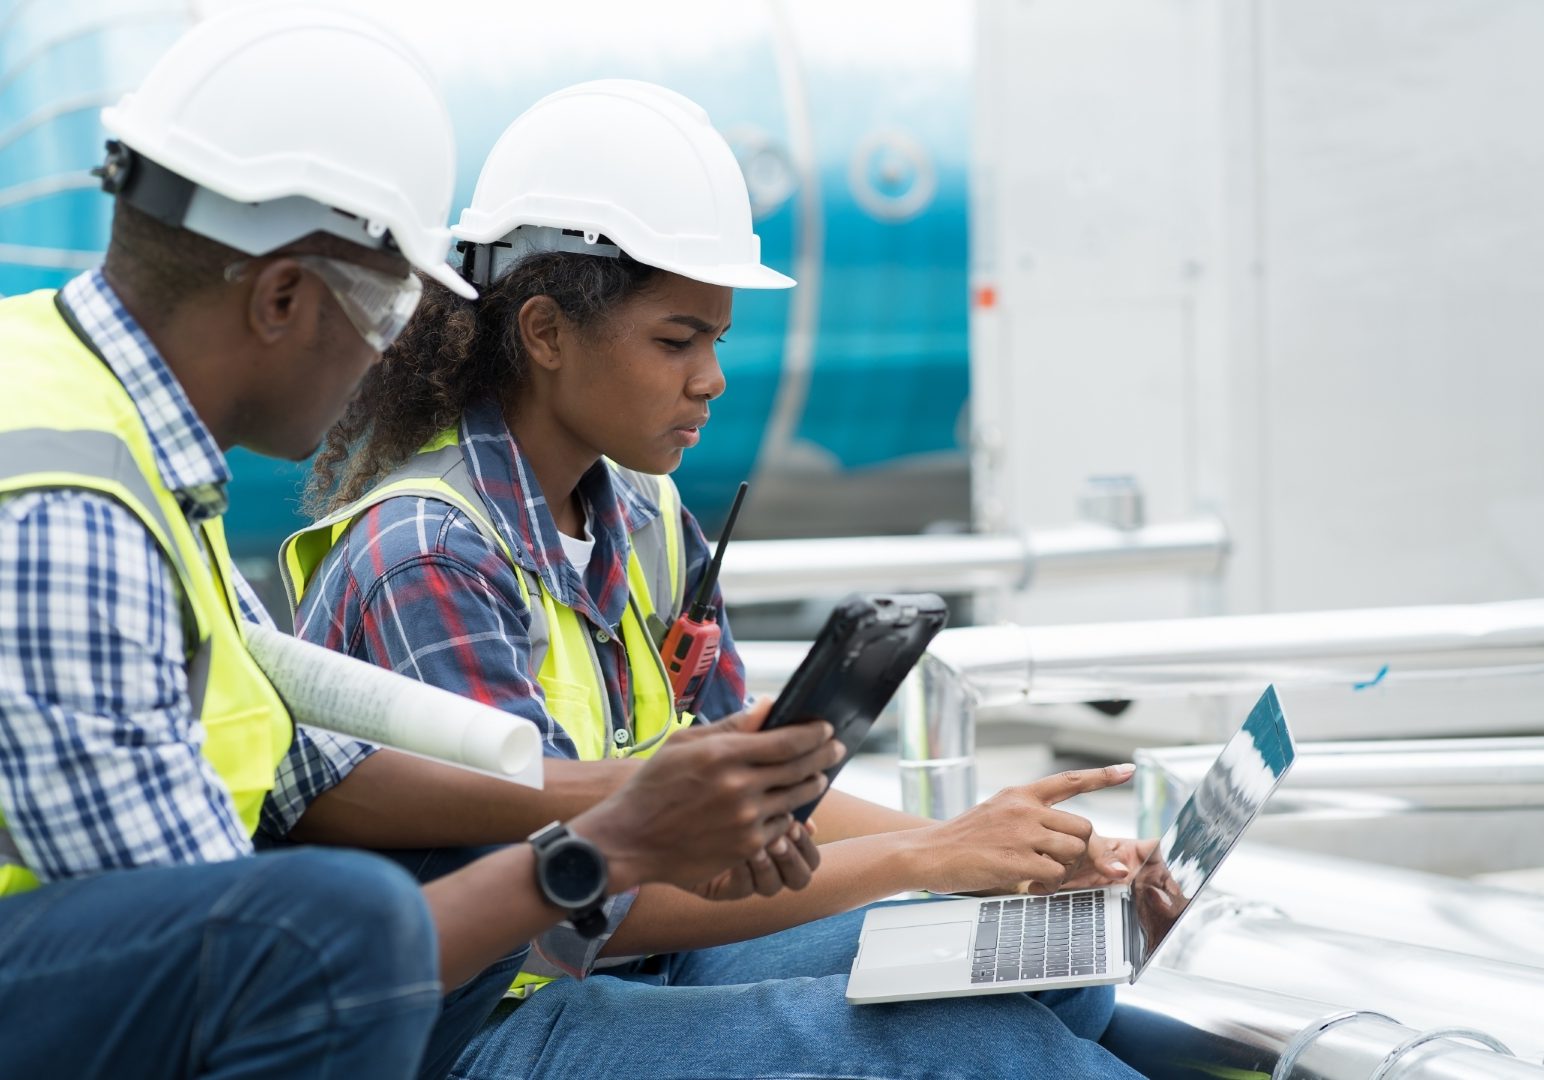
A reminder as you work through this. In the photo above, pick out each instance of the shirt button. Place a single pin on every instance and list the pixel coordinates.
(602, 637)
(622, 737)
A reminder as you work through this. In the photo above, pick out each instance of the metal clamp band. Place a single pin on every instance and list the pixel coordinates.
(1489, 1042)
(1311, 1031)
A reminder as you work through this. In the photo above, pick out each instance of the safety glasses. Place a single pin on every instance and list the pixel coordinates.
(378, 304)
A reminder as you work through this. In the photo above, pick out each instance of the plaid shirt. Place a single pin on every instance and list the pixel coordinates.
(100, 762)
(415, 587)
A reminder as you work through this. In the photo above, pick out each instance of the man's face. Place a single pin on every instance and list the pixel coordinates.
(317, 369)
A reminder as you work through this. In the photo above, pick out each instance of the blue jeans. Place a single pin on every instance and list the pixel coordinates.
(775, 1008)
(465, 1008)
(303, 964)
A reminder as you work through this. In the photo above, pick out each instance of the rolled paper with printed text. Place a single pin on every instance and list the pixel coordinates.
(338, 693)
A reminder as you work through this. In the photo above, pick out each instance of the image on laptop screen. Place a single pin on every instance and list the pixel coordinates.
(1209, 824)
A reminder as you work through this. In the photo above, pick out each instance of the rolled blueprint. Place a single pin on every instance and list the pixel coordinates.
(328, 690)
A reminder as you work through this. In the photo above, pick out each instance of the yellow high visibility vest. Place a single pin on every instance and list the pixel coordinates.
(67, 422)
(562, 650)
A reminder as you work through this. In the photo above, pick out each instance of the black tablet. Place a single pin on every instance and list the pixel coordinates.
(855, 666)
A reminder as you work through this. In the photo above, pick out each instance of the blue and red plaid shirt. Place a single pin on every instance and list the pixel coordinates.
(415, 587)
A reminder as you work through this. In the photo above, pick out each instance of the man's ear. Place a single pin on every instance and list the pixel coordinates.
(541, 325)
(274, 305)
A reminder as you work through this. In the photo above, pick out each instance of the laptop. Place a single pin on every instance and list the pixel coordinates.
(993, 945)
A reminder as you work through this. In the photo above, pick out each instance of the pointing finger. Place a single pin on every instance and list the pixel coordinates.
(1053, 789)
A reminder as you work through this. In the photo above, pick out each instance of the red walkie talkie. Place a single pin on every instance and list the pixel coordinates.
(690, 648)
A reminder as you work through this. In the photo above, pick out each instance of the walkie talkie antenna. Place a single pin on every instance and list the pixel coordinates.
(702, 603)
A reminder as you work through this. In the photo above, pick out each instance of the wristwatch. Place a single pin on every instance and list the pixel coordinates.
(572, 874)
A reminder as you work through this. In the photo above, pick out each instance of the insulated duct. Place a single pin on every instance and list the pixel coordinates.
(1176, 1026)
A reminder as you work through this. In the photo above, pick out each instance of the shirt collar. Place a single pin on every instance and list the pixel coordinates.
(503, 476)
(190, 462)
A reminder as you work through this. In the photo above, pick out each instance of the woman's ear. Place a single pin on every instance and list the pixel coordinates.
(541, 325)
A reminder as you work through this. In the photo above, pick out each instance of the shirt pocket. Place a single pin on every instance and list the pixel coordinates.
(576, 709)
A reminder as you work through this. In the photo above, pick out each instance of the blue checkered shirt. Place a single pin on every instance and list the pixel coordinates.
(100, 754)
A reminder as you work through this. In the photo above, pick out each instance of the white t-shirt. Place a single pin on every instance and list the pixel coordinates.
(579, 551)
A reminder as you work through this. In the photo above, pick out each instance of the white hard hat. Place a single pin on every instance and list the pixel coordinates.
(266, 123)
(616, 164)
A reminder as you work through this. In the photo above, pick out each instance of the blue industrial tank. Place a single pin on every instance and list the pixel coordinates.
(846, 396)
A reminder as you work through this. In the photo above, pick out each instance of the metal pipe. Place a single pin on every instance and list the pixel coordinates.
(1226, 654)
(1401, 905)
(999, 665)
(1253, 944)
(761, 570)
(1366, 777)
(1241, 653)
(936, 717)
(1463, 806)
(768, 664)
(979, 666)
(1177, 1026)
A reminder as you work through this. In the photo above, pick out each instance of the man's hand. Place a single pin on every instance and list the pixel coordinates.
(1016, 841)
(711, 810)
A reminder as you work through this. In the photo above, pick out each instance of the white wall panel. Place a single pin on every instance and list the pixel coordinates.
(1404, 254)
(1284, 260)
(1095, 142)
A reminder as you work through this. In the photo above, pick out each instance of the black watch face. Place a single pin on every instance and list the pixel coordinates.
(572, 874)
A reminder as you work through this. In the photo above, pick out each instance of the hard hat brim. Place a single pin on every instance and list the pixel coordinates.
(742, 276)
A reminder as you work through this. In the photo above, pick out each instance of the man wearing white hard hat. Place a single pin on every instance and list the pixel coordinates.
(501, 521)
(277, 177)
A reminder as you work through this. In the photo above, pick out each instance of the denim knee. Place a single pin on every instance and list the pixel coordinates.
(1086, 1010)
(364, 913)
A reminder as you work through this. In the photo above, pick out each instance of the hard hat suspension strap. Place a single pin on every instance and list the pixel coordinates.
(483, 264)
(251, 228)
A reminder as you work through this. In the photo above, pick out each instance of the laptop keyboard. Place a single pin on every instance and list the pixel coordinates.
(1039, 937)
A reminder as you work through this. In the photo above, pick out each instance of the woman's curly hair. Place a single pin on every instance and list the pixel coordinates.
(453, 353)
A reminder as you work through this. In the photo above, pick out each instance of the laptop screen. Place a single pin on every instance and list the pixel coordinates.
(1209, 824)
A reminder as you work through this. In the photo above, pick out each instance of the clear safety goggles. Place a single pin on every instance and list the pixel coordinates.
(378, 304)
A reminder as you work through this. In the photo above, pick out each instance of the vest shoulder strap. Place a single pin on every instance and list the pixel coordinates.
(660, 545)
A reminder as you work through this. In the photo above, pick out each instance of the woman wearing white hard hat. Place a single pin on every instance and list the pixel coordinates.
(500, 522)
(275, 176)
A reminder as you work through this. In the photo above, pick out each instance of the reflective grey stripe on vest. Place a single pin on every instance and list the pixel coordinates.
(10, 854)
(86, 453)
(448, 464)
(651, 543)
(105, 456)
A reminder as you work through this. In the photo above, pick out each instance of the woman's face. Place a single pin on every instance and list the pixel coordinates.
(638, 385)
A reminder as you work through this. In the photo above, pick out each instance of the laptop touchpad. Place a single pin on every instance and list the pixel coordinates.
(904, 946)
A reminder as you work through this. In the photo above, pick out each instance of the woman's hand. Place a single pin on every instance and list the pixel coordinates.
(712, 809)
(1017, 841)
(788, 862)
(1107, 862)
